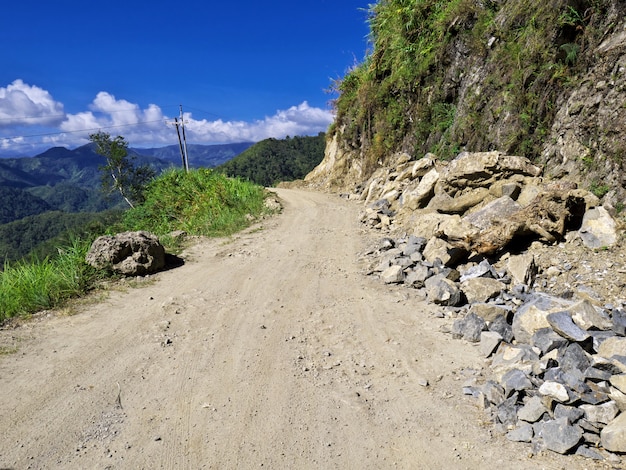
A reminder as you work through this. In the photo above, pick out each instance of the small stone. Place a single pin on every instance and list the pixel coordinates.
(507, 410)
(588, 453)
(523, 433)
(522, 269)
(619, 322)
(483, 269)
(442, 291)
(493, 392)
(417, 275)
(392, 275)
(470, 327)
(572, 413)
(574, 358)
(554, 390)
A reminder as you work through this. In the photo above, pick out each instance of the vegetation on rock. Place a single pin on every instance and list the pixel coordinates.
(466, 75)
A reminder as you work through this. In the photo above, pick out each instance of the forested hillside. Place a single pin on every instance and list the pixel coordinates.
(271, 161)
(44, 233)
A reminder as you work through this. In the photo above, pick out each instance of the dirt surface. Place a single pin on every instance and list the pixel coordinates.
(268, 349)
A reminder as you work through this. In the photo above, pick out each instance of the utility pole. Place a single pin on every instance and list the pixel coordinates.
(182, 124)
(180, 142)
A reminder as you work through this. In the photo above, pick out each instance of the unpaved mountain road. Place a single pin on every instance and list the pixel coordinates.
(270, 349)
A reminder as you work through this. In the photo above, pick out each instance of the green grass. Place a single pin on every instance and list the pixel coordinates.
(201, 202)
(28, 287)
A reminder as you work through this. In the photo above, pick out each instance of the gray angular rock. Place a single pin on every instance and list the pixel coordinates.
(588, 453)
(560, 436)
(471, 327)
(128, 253)
(532, 316)
(572, 413)
(562, 323)
(613, 436)
(573, 358)
(500, 326)
(523, 433)
(619, 322)
(493, 392)
(506, 411)
(442, 291)
(515, 381)
(482, 269)
(546, 339)
(417, 275)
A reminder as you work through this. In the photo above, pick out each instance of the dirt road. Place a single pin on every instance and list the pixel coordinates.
(270, 349)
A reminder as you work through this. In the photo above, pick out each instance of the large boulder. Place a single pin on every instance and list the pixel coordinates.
(128, 253)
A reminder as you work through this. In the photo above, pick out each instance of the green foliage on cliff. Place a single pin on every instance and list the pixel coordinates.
(443, 76)
(272, 161)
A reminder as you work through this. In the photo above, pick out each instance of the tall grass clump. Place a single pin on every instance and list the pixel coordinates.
(28, 287)
(200, 202)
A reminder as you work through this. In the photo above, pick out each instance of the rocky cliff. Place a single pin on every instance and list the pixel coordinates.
(541, 79)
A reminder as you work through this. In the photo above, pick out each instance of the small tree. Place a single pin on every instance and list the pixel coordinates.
(120, 174)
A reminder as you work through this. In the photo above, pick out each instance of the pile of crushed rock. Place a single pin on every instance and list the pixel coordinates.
(530, 270)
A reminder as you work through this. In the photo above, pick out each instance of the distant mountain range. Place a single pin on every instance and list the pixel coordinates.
(69, 180)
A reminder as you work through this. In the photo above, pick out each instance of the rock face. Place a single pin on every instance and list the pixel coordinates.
(128, 253)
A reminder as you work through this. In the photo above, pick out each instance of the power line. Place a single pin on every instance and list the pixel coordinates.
(45, 134)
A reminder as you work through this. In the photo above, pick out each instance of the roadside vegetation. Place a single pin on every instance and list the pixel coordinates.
(200, 202)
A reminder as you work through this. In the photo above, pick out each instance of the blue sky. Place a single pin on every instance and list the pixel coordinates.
(242, 70)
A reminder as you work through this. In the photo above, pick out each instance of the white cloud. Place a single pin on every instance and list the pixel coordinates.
(23, 104)
(297, 120)
(147, 127)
